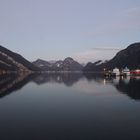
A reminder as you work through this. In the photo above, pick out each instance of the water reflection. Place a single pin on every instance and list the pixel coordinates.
(13, 82)
(58, 106)
(130, 87)
(126, 85)
(69, 79)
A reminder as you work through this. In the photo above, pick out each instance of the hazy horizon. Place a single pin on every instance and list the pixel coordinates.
(86, 30)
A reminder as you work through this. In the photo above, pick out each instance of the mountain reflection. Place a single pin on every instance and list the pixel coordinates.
(126, 85)
(12, 82)
(131, 87)
(69, 79)
(9, 83)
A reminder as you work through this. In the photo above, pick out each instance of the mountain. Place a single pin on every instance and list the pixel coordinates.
(11, 61)
(129, 57)
(67, 64)
(42, 64)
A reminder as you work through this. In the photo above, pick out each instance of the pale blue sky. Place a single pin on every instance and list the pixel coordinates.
(55, 29)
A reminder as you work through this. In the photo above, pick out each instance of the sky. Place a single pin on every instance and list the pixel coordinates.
(87, 30)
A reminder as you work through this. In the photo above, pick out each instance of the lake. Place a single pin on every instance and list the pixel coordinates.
(69, 106)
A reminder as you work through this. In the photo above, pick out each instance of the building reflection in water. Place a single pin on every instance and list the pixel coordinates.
(130, 87)
(127, 85)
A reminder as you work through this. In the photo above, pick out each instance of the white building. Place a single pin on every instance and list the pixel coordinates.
(116, 72)
(126, 71)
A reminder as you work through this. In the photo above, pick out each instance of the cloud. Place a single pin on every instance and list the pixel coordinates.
(95, 54)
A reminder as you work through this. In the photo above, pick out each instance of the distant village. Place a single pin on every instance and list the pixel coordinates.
(123, 72)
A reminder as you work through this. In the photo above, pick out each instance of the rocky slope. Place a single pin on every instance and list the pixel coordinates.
(10, 61)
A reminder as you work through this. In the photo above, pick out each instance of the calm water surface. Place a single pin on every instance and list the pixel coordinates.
(69, 107)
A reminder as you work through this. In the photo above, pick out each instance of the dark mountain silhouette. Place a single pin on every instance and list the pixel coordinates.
(129, 57)
(10, 61)
(67, 64)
